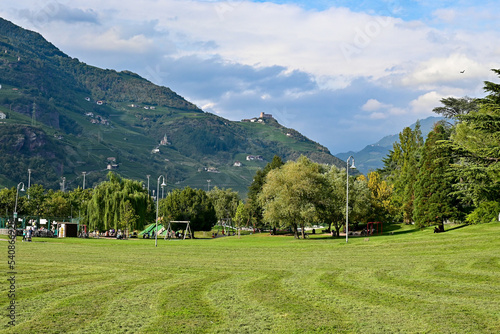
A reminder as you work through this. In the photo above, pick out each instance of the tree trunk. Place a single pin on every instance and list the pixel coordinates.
(303, 232)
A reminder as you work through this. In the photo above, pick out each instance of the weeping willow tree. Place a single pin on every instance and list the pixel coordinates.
(113, 202)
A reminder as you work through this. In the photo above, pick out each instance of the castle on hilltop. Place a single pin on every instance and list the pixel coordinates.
(263, 116)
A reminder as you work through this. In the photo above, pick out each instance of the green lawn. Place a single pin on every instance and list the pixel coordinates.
(408, 282)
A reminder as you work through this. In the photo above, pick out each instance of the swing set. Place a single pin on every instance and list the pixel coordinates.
(186, 231)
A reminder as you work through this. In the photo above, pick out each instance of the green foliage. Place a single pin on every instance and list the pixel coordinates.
(242, 216)
(225, 202)
(401, 169)
(188, 205)
(109, 201)
(434, 202)
(486, 212)
(291, 195)
(255, 189)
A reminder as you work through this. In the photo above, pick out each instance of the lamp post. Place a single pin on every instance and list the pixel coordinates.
(347, 197)
(17, 196)
(148, 184)
(84, 173)
(29, 182)
(63, 181)
(157, 202)
(208, 185)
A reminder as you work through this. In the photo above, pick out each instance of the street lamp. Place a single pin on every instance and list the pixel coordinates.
(84, 179)
(157, 202)
(63, 181)
(208, 185)
(17, 196)
(149, 194)
(29, 182)
(347, 197)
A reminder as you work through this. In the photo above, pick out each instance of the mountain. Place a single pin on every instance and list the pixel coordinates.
(370, 158)
(65, 118)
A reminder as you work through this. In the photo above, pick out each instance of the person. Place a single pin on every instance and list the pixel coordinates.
(24, 234)
(29, 233)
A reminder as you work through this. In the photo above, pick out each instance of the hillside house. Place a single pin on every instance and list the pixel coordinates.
(237, 164)
(263, 115)
(2, 115)
(254, 157)
(100, 103)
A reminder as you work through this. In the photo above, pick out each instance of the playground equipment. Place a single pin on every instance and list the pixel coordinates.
(370, 228)
(186, 231)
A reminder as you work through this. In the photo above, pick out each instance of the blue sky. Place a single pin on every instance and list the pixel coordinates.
(344, 73)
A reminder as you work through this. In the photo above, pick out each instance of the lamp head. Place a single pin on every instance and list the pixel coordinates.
(22, 188)
(163, 184)
(352, 165)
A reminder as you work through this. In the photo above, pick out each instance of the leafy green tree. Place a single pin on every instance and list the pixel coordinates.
(57, 204)
(334, 199)
(476, 146)
(242, 216)
(434, 202)
(225, 202)
(401, 169)
(189, 205)
(104, 208)
(380, 198)
(8, 200)
(360, 201)
(256, 188)
(291, 195)
(37, 199)
(128, 216)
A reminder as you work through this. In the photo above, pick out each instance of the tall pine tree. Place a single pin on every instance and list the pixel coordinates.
(433, 201)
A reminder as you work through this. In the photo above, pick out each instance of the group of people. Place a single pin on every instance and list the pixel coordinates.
(28, 233)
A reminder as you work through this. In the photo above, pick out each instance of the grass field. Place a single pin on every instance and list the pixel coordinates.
(408, 282)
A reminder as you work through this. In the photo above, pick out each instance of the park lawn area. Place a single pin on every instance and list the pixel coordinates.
(409, 282)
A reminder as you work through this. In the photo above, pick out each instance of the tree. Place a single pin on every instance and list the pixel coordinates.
(333, 203)
(128, 216)
(256, 188)
(434, 202)
(401, 168)
(380, 197)
(57, 204)
(37, 196)
(292, 194)
(453, 107)
(334, 199)
(476, 147)
(242, 216)
(104, 208)
(225, 202)
(189, 205)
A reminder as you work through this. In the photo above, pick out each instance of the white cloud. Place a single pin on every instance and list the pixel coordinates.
(372, 105)
(424, 104)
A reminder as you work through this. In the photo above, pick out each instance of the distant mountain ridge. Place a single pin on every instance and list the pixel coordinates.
(370, 158)
(65, 118)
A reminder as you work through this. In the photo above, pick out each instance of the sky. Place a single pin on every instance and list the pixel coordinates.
(343, 73)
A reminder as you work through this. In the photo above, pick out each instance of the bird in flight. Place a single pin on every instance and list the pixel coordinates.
(462, 71)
